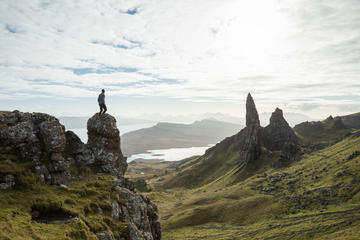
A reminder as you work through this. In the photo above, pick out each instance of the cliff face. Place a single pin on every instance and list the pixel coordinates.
(58, 157)
(38, 138)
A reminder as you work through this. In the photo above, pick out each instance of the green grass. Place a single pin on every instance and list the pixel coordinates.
(82, 198)
(320, 134)
(316, 197)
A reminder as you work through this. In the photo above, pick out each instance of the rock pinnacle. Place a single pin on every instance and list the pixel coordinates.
(252, 117)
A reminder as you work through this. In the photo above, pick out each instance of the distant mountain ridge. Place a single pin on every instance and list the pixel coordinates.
(170, 135)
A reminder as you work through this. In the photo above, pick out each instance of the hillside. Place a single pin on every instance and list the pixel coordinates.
(316, 197)
(319, 134)
(53, 186)
(352, 120)
(169, 135)
(244, 152)
(261, 184)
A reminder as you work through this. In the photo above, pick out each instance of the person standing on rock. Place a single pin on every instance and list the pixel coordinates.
(101, 101)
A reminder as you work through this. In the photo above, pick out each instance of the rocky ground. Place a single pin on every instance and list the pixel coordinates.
(53, 186)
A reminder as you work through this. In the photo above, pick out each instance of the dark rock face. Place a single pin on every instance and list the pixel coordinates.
(37, 137)
(278, 132)
(249, 143)
(104, 142)
(252, 117)
(102, 153)
(289, 153)
(139, 211)
(41, 139)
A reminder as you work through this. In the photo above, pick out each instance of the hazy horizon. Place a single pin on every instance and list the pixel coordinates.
(180, 57)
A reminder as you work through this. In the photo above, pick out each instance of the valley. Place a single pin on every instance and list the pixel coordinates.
(313, 194)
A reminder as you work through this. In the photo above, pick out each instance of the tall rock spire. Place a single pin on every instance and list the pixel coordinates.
(252, 117)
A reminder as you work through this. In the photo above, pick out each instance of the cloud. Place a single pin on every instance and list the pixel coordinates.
(193, 51)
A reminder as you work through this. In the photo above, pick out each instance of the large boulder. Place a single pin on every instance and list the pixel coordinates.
(38, 138)
(104, 142)
(278, 132)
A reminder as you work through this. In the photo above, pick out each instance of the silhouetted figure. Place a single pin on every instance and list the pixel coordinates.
(101, 101)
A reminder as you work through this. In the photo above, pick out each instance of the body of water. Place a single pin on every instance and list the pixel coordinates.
(171, 154)
(82, 132)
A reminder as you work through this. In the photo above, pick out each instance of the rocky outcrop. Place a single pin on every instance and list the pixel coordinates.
(253, 139)
(274, 137)
(41, 140)
(38, 138)
(290, 152)
(249, 143)
(139, 211)
(278, 132)
(102, 153)
(252, 117)
(104, 142)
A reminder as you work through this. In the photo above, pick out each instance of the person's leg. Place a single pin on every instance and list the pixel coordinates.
(105, 109)
(101, 109)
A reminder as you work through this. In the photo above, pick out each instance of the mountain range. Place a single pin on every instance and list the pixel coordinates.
(170, 135)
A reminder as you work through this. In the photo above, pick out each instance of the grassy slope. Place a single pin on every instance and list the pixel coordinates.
(81, 199)
(317, 197)
(215, 165)
(320, 133)
(352, 120)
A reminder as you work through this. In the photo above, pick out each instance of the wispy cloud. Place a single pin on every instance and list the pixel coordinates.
(193, 51)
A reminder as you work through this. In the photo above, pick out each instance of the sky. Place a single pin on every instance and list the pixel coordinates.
(180, 57)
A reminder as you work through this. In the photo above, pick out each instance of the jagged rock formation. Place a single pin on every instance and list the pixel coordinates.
(138, 210)
(102, 153)
(278, 132)
(252, 116)
(40, 140)
(104, 141)
(277, 136)
(251, 149)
